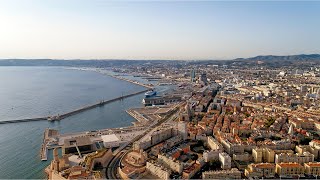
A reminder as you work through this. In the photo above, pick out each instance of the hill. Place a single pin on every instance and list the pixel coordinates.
(300, 57)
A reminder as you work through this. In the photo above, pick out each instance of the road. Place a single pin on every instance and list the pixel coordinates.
(112, 168)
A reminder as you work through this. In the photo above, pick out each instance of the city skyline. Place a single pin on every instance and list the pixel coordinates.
(159, 89)
(157, 30)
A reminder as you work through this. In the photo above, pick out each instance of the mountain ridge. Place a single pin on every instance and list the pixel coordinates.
(301, 57)
(119, 62)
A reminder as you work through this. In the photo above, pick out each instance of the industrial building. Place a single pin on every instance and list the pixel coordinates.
(158, 100)
(77, 145)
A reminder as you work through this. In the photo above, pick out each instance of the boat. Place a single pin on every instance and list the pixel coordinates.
(150, 93)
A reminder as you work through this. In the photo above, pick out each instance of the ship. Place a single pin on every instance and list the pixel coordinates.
(150, 93)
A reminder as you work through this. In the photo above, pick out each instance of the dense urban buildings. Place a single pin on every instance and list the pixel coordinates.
(226, 119)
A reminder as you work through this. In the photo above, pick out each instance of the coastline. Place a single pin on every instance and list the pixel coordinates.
(135, 124)
(97, 70)
(33, 134)
(61, 116)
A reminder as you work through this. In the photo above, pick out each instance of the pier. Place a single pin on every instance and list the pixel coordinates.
(139, 117)
(71, 113)
(47, 138)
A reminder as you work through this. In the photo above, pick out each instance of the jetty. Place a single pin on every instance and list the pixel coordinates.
(101, 103)
(24, 120)
(77, 111)
(149, 86)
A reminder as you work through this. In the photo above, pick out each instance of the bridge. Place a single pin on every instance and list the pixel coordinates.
(77, 111)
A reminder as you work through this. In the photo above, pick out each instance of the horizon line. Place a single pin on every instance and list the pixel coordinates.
(106, 59)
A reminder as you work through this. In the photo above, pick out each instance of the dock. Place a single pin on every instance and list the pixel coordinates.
(47, 137)
(147, 115)
(74, 112)
(44, 150)
(139, 117)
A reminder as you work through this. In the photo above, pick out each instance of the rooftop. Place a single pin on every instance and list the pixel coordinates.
(110, 138)
(313, 164)
(287, 165)
(263, 165)
(80, 141)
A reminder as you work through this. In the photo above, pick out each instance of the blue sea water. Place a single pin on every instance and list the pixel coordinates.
(27, 92)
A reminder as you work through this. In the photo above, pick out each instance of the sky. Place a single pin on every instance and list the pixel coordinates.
(189, 30)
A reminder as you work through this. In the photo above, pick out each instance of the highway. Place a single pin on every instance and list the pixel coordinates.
(112, 167)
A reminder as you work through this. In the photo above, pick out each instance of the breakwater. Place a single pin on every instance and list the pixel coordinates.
(149, 86)
(71, 113)
(24, 120)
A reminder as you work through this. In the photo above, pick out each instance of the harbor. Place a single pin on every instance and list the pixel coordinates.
(149, 86)
(71, 113)
(119, 77)
(29, 135)
(145, 116)
(53, 139)
(84, 108)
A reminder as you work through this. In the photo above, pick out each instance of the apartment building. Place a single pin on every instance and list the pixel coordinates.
(158, 170)
(266, 170)
(267, 154)
(233, 173)
(298, 158)
(225, 160)
(312, 168)
(289, 169)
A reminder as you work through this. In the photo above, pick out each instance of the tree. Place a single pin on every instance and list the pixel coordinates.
(305, 141)
(194, 157)
(215, 164)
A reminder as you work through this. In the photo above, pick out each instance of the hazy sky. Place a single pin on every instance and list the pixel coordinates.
(92, 29)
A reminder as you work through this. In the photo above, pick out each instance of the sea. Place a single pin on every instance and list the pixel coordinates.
(28, 92)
